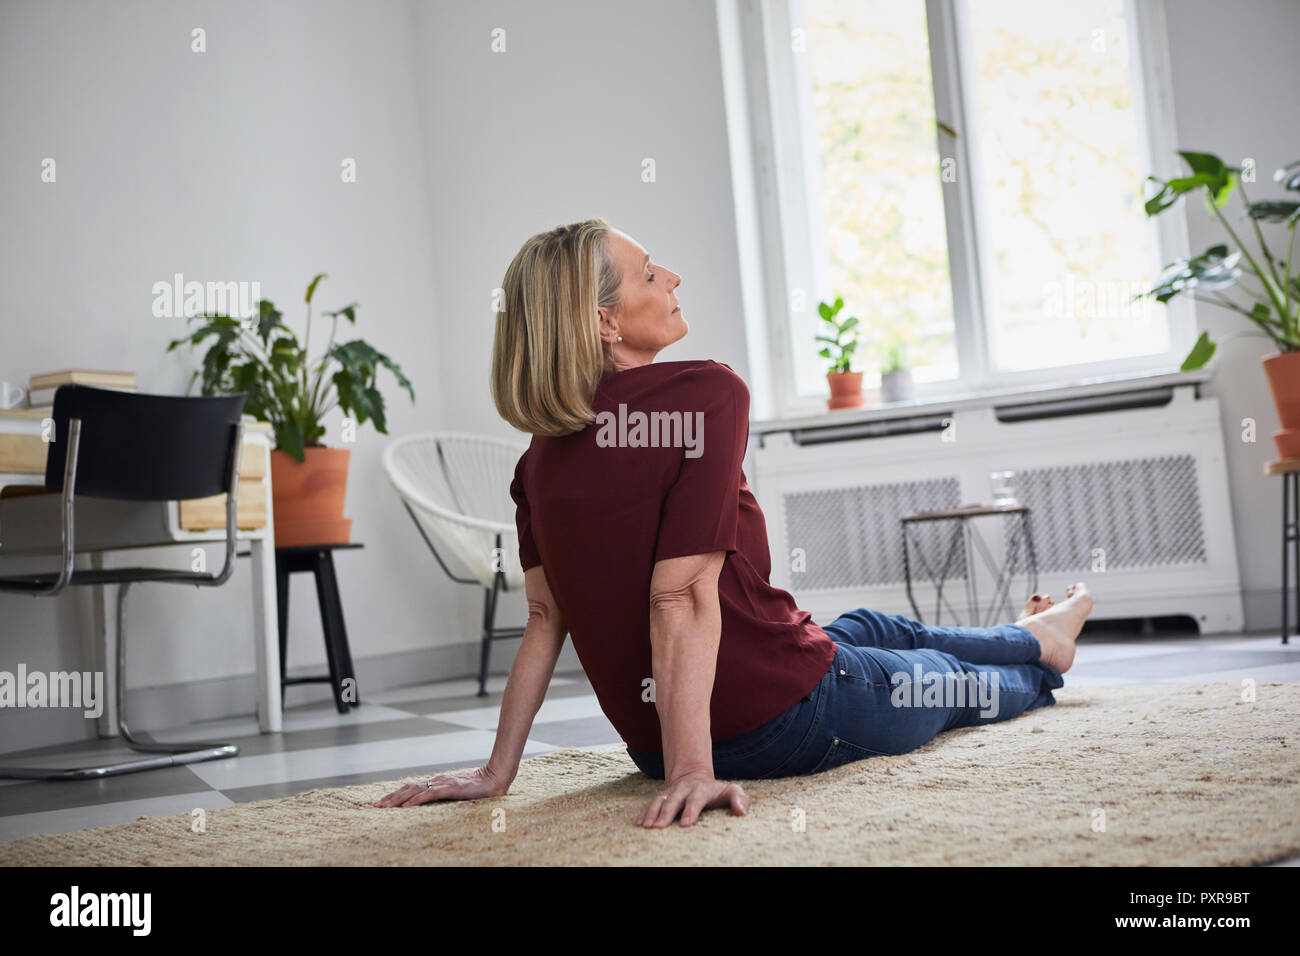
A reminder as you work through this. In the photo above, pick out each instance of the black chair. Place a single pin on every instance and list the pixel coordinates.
(129, 446)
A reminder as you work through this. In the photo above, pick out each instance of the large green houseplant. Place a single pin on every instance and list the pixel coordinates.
(1274, 307)
(261, 356)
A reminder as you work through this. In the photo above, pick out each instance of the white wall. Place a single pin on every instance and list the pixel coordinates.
(553, 130)
(225, 165)
(1234, 76)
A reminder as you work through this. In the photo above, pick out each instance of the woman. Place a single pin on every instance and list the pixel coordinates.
(639, 536)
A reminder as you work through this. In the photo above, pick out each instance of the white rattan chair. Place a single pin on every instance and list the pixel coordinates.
(456, 488)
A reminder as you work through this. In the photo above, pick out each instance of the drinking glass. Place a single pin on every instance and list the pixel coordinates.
(1004, 492)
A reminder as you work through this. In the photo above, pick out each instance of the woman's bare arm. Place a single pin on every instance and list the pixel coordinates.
(685, 631)
(530, 675)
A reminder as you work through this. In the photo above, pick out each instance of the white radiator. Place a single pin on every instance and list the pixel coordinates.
(1133, 500)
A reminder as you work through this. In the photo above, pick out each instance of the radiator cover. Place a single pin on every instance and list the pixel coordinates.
(1133, 500)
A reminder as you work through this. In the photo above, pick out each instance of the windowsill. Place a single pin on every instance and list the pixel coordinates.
(875, 410)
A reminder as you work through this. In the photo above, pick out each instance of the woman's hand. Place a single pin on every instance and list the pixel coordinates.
(690, 796)
(461, 785)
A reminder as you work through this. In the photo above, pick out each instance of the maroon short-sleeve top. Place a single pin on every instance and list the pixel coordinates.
(658, 475)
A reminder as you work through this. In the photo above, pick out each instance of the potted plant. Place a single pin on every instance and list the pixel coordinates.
(1274, 308)
(845, 384)
(896, 383)
(261, 356)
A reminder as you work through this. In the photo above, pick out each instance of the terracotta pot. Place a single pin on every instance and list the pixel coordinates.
(1283, 371)
(846, 390)
(307, 497)
(1287, 442)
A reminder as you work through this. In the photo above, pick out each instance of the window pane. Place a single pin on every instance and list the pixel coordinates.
(872, 102)
(1065, 242)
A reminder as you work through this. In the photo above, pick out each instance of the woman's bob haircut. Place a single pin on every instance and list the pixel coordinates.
(547, 356)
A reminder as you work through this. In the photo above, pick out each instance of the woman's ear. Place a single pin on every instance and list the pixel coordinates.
(604, 327)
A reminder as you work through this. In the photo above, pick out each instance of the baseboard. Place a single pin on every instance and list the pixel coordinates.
(1262, 610)
(176, 705)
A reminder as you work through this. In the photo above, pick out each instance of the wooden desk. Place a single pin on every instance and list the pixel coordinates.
(111, 525)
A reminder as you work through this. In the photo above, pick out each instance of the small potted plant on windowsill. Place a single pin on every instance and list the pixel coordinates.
(896, 383)
(261, 356)
(845, 384)
(1275, 309)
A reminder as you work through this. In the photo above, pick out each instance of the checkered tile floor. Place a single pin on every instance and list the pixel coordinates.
(423, 729)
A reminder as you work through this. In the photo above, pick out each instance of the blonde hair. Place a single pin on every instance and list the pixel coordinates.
(547, 356)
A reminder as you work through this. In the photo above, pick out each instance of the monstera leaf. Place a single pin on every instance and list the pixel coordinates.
(262, 357)
(1213, 269)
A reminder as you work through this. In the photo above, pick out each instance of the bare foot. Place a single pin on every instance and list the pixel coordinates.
(1036, 604)
(1058, 626)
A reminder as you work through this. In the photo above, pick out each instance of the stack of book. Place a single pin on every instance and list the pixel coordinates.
(41, 388)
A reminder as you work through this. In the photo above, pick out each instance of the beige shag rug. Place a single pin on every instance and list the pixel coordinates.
(1151, 775)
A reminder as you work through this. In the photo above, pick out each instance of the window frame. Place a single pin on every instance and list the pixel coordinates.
(766, 83)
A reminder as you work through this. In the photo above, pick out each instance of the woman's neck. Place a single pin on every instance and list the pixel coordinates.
(623, 363)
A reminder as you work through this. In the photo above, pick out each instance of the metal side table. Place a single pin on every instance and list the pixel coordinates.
(965, 536)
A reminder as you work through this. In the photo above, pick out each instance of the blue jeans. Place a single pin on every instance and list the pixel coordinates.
(894, 685)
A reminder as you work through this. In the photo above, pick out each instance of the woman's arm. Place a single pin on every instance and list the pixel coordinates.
(685, 631)
(530, 675)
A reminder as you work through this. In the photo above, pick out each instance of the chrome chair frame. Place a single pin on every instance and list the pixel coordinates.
(49, 584)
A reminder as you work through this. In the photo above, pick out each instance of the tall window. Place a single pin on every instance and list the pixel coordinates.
(1067, 243)
(881, 196)
(976, 176)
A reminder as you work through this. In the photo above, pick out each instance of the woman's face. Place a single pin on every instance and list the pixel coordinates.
(647, 316)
